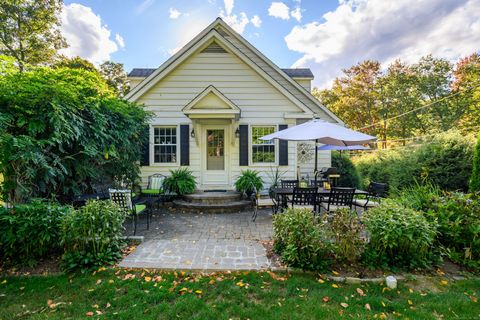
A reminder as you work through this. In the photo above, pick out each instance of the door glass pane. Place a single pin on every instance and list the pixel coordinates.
(215, 149)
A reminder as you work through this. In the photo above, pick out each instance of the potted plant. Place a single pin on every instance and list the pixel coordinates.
(248, 181)
(181, 181)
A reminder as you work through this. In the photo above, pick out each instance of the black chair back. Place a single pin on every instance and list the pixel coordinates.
(377, 190)
(305, 196)
(341, 197)
(289, 183)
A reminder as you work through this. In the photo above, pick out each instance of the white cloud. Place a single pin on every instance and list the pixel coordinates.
(120, 41)
(279, 10)
(173, 13)
(237, 21)
(144, 5)
(297, 14)
(228, 6)
(256, 21)
(385, 30)
(85, 34)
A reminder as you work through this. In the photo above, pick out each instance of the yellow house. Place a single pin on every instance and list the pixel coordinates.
(212, 102)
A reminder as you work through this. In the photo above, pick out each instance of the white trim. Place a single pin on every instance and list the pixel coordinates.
(232, 113)
(152, 146)
(297, 116)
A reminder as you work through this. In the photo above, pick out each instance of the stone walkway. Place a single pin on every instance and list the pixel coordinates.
(203, 242)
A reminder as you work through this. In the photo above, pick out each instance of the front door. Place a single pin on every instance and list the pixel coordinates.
(215, 157)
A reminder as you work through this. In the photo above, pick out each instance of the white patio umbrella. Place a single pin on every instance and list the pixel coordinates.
(321, 131)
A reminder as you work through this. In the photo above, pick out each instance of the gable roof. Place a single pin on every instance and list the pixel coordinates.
(220, 32)
(292, 73)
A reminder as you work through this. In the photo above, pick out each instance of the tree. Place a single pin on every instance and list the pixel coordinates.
(76, 63)
(467, 84)
(475, 179)
(115, 76)
(63, 129)
(29, 30)
(354, 96)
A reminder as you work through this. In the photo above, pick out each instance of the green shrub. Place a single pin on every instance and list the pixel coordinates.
(29, 232)
(445, 161)
(458, 217)
(181, 181)
(419, 197)
(475, 179)
(91, 235)
(399, 236)
(248, 180)
(347, 229)
(348, 173)
(302, 240)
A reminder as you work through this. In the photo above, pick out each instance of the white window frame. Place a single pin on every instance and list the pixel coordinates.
(251, 145)
(152, 146)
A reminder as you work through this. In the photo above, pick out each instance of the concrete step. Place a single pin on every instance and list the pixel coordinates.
(212, 197)
(202, 207)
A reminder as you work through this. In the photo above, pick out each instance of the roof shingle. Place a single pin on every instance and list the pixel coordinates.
(292, 73)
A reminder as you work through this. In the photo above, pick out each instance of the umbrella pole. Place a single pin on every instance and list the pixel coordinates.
(316, 162)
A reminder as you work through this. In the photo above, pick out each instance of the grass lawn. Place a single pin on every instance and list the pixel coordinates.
(122, 294)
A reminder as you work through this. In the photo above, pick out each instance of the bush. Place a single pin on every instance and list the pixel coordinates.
(348, 173)
(458, 217)
(91, 235)
(347, 230)
(61, 129)
(29, 232)
(181, 181)
(475, 179)
(419, 197)
(302, 240)
(248, 180)
(445, 161)
(399, 236)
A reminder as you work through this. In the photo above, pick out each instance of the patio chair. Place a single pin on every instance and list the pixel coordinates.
(376, 191)
(258, 203)
(305, 198)
(339, 198)
(287, 184)
(123, 198)
(154, 188)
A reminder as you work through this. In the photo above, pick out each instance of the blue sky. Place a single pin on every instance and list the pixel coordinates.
(324, 35)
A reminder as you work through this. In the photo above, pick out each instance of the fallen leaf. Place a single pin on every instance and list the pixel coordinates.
(326, 299)
(111, 281)
(335, 272)
(474, 299)
(148, 279)
(410, 290)
(240, 284)
(89, 314)
(410, 302)
(444, 282)
(99, 281)
(108, 305)
(99, 312)
(360, 292)
(343, 304)
(383, 304)
(367, 306)
(321, 280)
(183, 289)
(335, 286)
(198, 291)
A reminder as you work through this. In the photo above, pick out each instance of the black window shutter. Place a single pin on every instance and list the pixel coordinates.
(243, 144)
(282, 148)
(145, 159)
(184, 145)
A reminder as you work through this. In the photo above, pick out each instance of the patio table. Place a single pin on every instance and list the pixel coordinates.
(285, 192)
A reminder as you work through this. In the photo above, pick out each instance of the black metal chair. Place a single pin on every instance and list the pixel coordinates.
(287, 184)
(154, 190)
(339, 198)
(123, 198)
(259, 202)
(305, 198)
(376, 192)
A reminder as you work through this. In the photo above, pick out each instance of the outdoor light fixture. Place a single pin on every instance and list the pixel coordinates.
(192, 134)
(237, 133)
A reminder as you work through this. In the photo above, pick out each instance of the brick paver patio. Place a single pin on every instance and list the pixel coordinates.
(204, 242)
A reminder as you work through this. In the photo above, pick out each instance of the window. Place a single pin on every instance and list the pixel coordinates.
(262, 151)
(165, 145)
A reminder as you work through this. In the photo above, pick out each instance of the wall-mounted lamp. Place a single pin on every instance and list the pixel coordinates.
(237, 133)
(192, 133)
